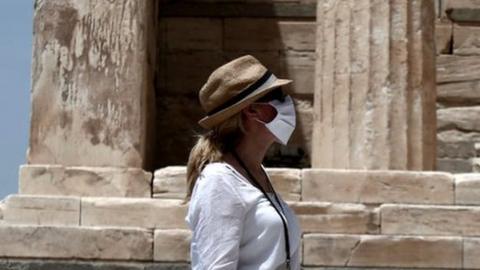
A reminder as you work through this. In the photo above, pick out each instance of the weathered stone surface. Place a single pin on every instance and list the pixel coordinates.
(246, 8)
(84, 181)
(2, 210)
(462, 118)
(375, 85)
(170, 182)
(363, 268)
(135, 212)
(454, 135)
(60, 264)
(300, 144)
(471, 253)
(184, 72)
(466, 40)
(299, 67)
(476, 145)
(430, 220)
(456, 4)
(286, 181)
(172, 245)
(295, 65)
(90, 82)
(465, 15)
(327, 217)
(42, 210)
(69, 242)
(476, 165)
(460, 93)
(192, 34)
(451, 68)
(443, 36)
(173, 143)
(463, 150)
(382, 251)
(361, 186)
(467, 188)
(196, 66)
(454, 165)
(270, 34)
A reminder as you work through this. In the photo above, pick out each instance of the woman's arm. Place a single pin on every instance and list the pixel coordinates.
(217, 216)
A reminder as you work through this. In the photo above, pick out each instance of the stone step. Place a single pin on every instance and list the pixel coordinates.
(430, 220)
(173, 245)
(467, 189)
(44, 179)
(60, 264)
(170, 213)
(348, 186)
(70, 242)
(391, 251)
(94, 211)
(94, 242)
(170, 182)
(314, 217)
(376, 187)
(455, 165)
(326, 217)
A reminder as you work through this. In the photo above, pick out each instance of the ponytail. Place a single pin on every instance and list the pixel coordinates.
(210, 147)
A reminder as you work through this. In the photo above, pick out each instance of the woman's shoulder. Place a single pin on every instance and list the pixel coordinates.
(215, 168)
(216, 176)
(223, 170)
(219, 176)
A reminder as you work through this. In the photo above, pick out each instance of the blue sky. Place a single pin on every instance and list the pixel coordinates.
(16, 20)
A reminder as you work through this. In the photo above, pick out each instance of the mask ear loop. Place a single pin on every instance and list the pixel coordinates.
(266, 103)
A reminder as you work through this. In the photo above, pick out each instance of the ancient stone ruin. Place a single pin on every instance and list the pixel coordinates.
(383, 170)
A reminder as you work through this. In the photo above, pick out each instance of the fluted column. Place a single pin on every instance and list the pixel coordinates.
(374, 95)
(91, 82)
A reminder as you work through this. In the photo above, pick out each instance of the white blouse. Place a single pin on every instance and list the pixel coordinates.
(234, 226)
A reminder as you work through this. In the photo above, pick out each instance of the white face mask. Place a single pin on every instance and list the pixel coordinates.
(283, 125)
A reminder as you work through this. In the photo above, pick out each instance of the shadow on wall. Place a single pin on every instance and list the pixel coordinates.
(195, 37)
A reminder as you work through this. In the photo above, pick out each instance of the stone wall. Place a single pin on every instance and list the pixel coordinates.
(458, 89)
(198, 36)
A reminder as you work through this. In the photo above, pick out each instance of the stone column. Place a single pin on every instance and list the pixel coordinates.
(91, 87)
(375, 95)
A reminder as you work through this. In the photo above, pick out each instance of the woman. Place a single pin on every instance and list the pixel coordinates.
(237, 218)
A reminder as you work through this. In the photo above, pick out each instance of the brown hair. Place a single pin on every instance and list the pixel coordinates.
(210, 147)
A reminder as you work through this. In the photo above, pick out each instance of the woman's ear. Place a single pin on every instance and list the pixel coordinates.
(251, 110)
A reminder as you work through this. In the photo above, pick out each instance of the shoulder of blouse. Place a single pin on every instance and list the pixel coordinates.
(217, 177)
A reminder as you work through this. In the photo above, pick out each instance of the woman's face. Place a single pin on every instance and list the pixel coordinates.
(254, 128)
(266, 112)
(261, 110)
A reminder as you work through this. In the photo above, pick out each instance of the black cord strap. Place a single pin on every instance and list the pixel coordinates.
(254, 86)
(287, 242)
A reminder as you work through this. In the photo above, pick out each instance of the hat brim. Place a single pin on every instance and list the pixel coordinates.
(218, 117)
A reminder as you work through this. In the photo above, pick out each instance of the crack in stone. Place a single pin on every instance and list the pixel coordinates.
(352, 250)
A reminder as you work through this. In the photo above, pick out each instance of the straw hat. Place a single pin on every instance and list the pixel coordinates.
(234, 86)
